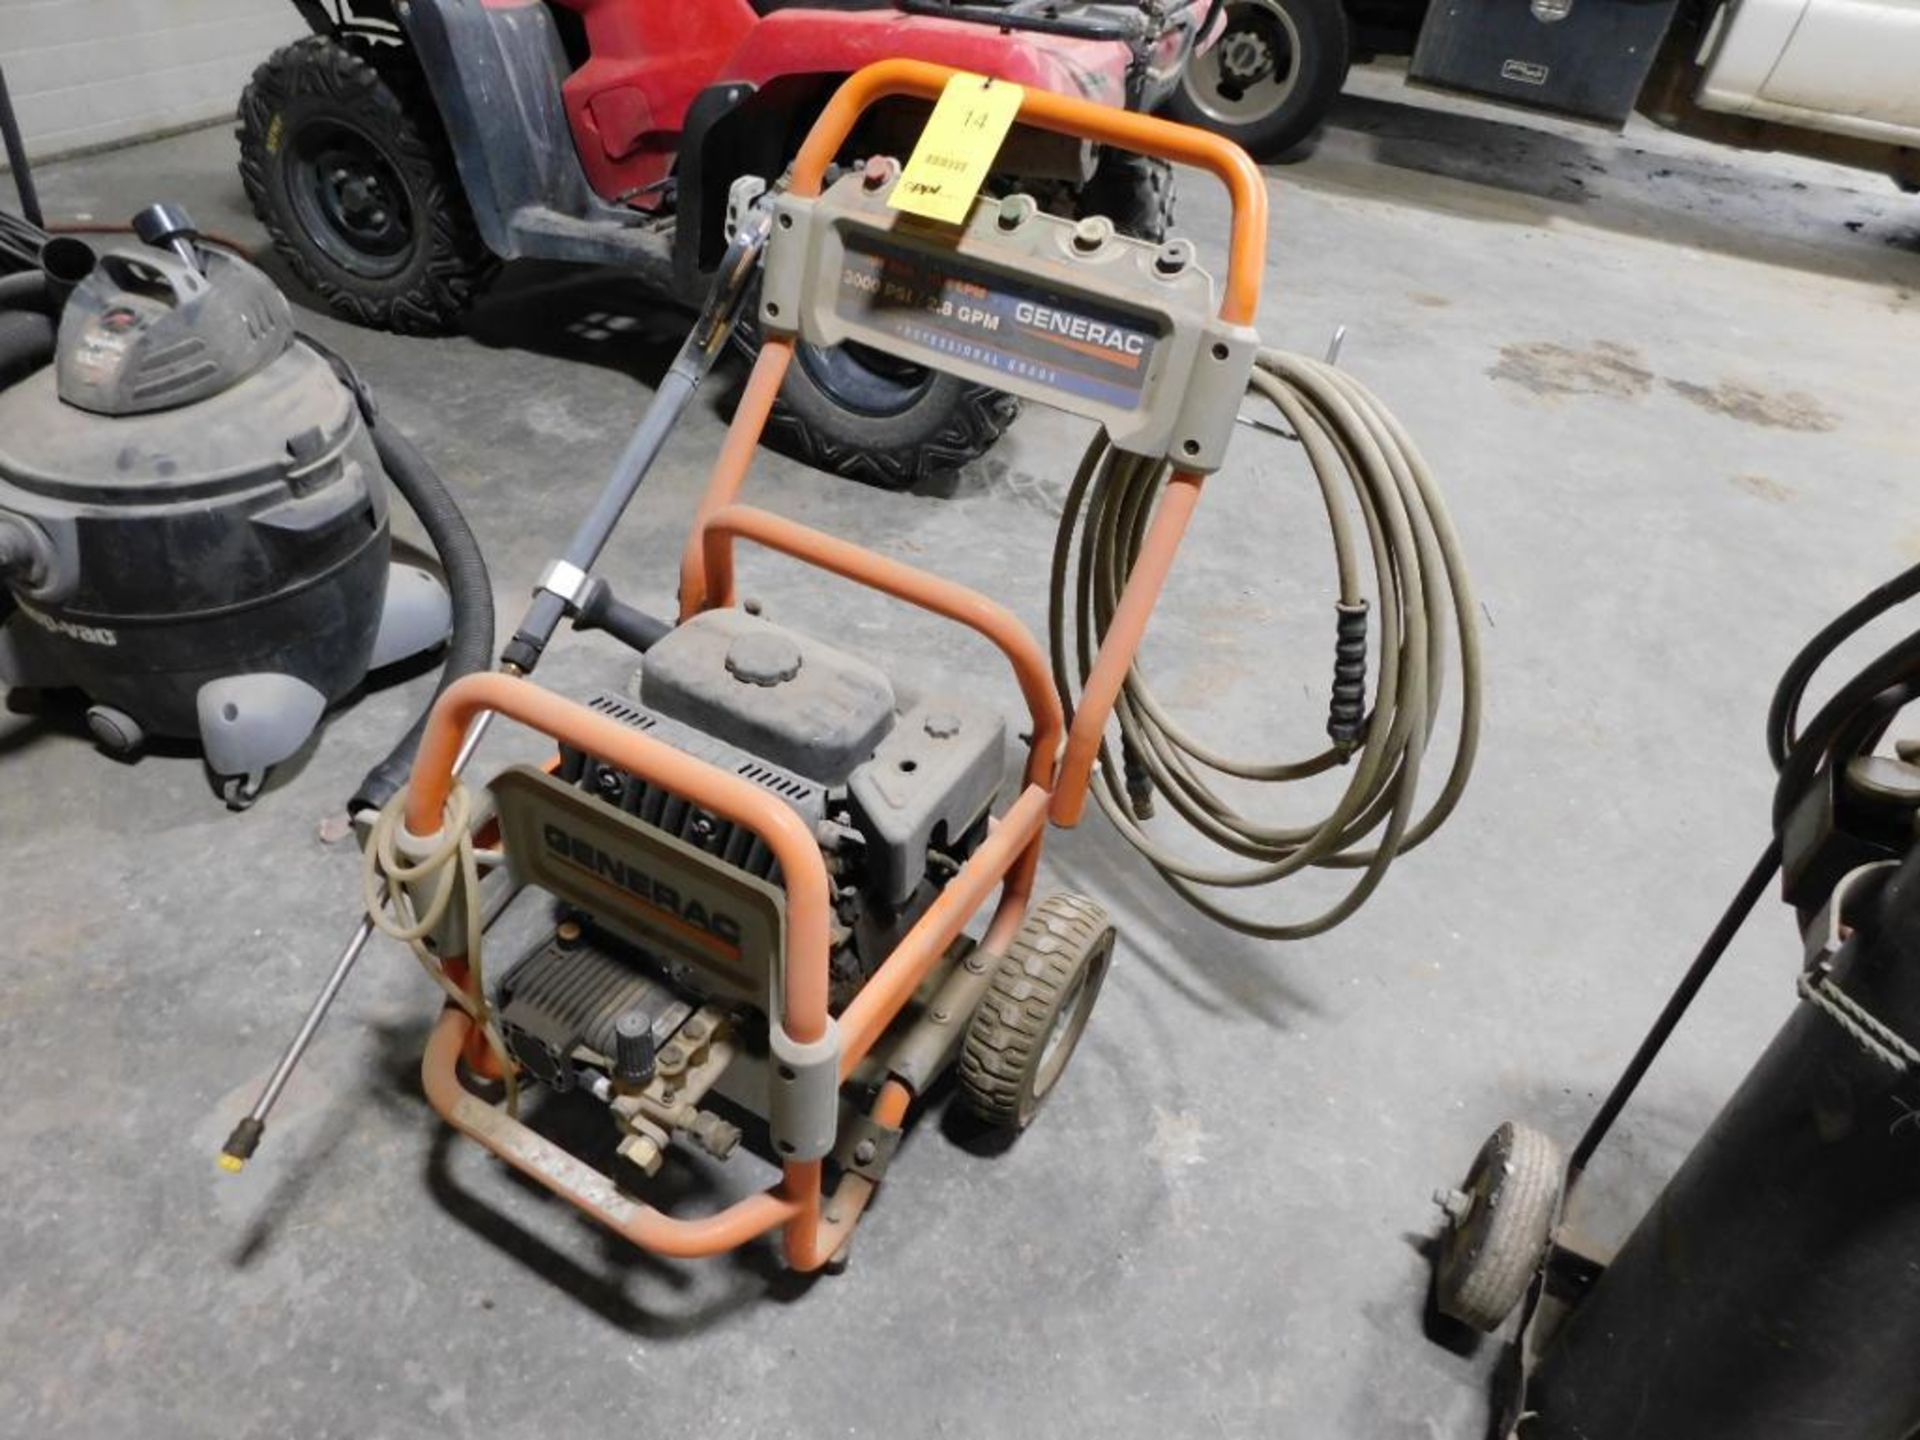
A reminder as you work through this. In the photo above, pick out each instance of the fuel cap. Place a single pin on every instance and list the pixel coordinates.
(763, 657)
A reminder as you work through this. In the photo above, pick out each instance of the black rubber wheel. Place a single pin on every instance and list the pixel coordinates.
(1135, 192)
(1023, 1032)
(1271, 77)
(1499, 1224)
(346, 164)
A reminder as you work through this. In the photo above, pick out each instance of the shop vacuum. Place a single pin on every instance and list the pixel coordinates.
(193, 510)
(1772, 1290)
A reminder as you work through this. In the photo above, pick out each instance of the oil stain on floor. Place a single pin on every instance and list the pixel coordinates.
(1764, 486)
(1604, 368)
(1787, 410)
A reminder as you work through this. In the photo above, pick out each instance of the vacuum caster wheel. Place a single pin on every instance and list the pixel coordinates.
(1498, 1226)
(1023, 1033)
(117, 732)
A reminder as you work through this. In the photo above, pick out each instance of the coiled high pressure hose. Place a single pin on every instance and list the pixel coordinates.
(1362, 460)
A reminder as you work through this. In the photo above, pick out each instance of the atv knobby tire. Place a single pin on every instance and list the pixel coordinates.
(868, 417)
(1024, 1030)
(346, 163)
(1134, 191)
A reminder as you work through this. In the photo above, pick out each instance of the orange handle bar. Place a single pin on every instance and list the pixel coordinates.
(1084, 119)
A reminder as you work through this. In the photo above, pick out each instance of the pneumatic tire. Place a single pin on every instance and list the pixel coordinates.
(1024, 1030)
(1499, 1228)
(346, 163)
(1271, 77)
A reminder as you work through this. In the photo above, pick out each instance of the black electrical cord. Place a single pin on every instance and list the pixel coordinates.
(1783, 714)
(16, 152)
(1848, 717)
(1850, 724)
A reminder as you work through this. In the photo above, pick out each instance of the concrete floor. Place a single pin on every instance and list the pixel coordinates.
(1668, 390)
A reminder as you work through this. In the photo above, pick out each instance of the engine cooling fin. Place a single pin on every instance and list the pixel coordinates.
(664, 810)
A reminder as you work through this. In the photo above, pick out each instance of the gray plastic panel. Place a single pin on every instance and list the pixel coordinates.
(146, 331)
(251, 722)
(416, 615)
(1067, 313)
(803, 1096)
(822, 722)
(937, 770)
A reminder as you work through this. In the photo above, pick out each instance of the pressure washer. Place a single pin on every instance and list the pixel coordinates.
(1770, 1289)
(764, 854)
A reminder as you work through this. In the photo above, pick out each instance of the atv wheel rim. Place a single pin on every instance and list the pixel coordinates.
(864, 382)
(350, 200)
(1252, 70)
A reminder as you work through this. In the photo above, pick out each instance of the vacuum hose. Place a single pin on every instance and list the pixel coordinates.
(1360, 457)
(30, 305)
(26, 342)
(470, 647)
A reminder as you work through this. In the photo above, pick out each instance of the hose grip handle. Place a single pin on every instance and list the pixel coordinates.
(1347, 709)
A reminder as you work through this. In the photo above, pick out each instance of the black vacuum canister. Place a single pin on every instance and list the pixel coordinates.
(193, 518)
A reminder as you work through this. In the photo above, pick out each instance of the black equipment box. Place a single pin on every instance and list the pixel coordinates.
(1584, 58)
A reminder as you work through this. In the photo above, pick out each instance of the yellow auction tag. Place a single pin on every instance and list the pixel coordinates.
(956, 149)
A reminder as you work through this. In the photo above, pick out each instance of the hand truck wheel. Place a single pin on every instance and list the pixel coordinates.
(1499, 1225)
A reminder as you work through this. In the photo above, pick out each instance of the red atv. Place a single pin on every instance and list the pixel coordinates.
(404, 149)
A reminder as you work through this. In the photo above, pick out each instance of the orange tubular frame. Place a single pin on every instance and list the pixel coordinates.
(1055, 782)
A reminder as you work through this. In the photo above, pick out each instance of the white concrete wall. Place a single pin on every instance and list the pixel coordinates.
(91, 72)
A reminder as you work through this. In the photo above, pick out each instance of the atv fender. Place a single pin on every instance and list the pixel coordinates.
(838, 42)
(495, 73)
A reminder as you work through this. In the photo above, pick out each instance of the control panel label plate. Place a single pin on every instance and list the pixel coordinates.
(1019, 328)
